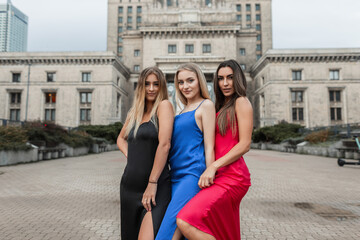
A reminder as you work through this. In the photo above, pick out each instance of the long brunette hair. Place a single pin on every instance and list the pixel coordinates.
(227, 109)
(138, 108)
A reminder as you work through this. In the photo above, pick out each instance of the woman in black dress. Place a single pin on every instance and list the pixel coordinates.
(145, 138)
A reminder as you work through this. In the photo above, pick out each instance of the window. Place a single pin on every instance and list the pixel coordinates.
(297, 96)
(50, 98)
(248, 25)
(257, 7)
(296, 75)
(189, 48)
(248, 17)
(258, 37)
(243, 67)
(120, 29)
(258, 18)
(172, 48)
(248, 7)
(169, 2)
(85, 115)
(258, 27)
(335, 96)
(50, 77)
(129, 27)
(138, 19)
(16, 77)
(120, 39)
(238, 7)
(15, 98)
(136, 53)
(120, 19)
(121, 10)
(258, 56)
(120, 49)
(139, 9)
(238, 17)
(86, 77)
(206, 48)
(136, 68)
(258, 47)
(242, 52)
(15, 114)
(50, 114)
(85, 97)
(129, 19)
(335, 114)
(298, 114)
(334, 74)
(129, 9)
(208, 3)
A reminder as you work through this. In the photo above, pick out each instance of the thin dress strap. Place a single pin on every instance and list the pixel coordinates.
(199, 105)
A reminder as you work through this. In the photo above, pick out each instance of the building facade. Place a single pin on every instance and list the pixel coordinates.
(311, 87)
(13, 29)
(169, 33)
(69, 89)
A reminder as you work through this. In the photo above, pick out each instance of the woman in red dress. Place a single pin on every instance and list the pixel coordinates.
(214, 212)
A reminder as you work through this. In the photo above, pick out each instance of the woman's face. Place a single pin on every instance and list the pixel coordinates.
(152, 88)
(188, 84)
(225, 80)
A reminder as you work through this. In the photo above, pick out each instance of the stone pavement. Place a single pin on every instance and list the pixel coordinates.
(292, 197)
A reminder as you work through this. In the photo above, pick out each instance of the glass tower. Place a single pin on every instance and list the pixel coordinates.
(13, 29)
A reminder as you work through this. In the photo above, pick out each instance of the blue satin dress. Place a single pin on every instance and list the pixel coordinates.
(187, 163)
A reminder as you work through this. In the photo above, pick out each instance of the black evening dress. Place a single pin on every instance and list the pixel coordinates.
(141, 154)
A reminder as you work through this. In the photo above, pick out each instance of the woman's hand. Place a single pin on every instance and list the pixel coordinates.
(149, 196)
(208, 176)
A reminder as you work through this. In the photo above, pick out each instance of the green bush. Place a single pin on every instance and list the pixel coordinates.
(276, 133)
(13, 138)
(52, 135)
(108, 132)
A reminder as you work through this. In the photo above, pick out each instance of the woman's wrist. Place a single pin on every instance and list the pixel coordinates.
(153, 182)
(216, 165)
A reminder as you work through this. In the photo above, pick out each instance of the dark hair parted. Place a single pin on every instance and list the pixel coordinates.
(226, 107)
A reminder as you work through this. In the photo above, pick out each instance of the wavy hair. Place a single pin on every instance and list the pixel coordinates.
(192, 67)
(138, 108)
(227, 109)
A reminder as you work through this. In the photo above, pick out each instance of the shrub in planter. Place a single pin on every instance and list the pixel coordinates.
(13, 138)
(276, 133)
(319, 136)
(108, 132)
(77, 139)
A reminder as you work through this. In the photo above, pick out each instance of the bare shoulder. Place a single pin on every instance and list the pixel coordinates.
(165, 105)
(243, 104)
(208, 104)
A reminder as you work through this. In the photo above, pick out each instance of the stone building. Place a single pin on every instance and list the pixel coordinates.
(69, 89)
(312, 87)
(168, 33)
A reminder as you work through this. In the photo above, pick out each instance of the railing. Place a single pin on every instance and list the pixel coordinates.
(348, 130)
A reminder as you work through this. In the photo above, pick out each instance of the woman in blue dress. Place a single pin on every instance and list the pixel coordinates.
(192, 144)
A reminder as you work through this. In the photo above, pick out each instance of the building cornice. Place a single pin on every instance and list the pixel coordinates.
(305, 55)
(64, 58)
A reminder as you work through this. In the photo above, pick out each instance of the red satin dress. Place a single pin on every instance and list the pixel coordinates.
(215, 210)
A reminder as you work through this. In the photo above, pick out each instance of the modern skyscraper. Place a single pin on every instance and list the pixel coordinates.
(13, 29)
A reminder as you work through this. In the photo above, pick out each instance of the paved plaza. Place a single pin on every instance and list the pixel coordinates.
(292, 197)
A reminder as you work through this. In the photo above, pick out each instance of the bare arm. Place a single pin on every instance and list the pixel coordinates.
(121, 141)
(244, 115)
(166, 120)
(208, 123)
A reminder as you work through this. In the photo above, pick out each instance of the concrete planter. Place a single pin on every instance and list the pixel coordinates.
(12, 157)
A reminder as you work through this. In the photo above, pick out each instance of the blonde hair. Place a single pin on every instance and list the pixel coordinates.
(192, 67)
(138, 108)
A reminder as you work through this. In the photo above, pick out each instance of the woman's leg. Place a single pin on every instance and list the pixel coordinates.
(146, 229)
(191, 232)
(177, 235)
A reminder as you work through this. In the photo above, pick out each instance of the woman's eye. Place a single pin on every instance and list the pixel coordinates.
(147, 84)
(230, 77)
(181, 82)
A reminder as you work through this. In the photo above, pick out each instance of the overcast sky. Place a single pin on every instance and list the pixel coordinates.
(81, 25)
